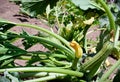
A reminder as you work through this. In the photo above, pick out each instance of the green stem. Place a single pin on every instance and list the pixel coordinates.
(46, 41)
(44, 30)
(60, 63)
(43, 69)
(58, 56)
(110, 71)
(29, 54)
(109, 14)
(47, 31)
(24, 57)
(33, 74)
(52, 43)
(74, 64)
(56, 12)
(38, 74)
(116, 36)
(44, 78)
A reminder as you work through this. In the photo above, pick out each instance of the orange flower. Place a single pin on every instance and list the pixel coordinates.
(77, 48)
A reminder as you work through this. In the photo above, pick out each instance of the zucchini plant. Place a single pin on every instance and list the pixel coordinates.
(68, 57)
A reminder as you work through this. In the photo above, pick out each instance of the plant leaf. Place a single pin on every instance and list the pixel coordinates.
(83, 4)
(48, 11)
(104, 21)
(12, 51)
(28, 42)
(35, 8)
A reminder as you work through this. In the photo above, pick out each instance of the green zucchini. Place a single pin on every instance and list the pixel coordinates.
(91, 66)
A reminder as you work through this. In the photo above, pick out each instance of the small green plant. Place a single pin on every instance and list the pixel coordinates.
(67, 57)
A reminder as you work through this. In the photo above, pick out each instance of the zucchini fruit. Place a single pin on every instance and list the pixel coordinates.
(91, 66)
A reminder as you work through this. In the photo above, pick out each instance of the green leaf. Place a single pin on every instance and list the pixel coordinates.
(6, 62)
(83, 4)
(35, 8)
(104, 21)
(13, 51)
(48, 11)
(3, 50)
(28, 42)
(7, 36)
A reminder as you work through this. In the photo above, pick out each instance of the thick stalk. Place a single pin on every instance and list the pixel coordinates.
(74, 64)
(44, 69)
(109, 14)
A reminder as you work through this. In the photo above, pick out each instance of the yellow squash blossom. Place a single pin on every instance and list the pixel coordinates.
(77, 48)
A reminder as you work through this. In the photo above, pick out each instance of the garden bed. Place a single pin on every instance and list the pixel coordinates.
(59, 44)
